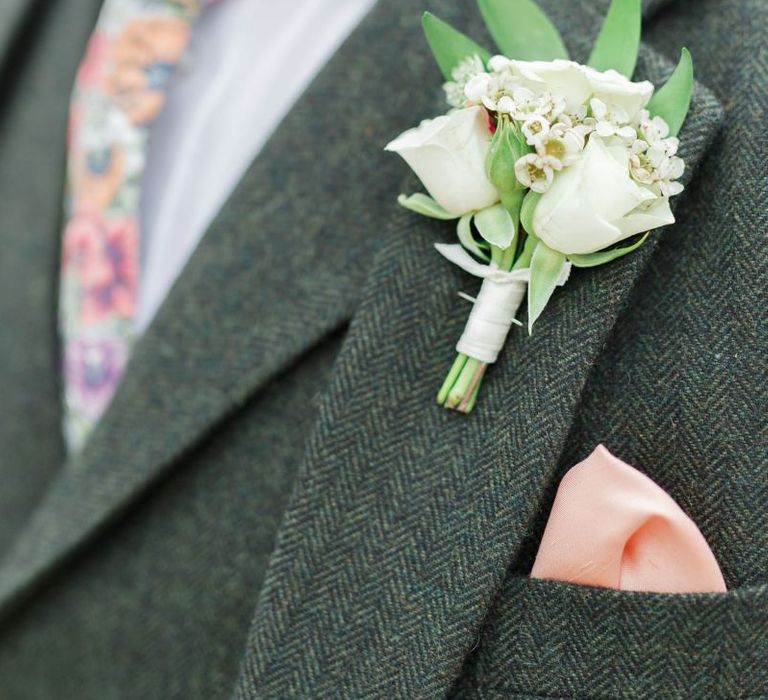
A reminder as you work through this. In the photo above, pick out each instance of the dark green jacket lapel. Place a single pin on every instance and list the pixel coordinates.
(406, 517)
(280, 268)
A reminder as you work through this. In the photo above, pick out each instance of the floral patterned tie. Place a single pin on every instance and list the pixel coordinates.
(119, 90)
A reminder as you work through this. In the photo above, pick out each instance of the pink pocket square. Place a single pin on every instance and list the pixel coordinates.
(613, 527)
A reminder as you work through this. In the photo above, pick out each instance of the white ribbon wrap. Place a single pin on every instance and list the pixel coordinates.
(496, 306)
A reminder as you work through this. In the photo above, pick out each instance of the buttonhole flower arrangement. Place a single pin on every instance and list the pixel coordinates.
(544, 164)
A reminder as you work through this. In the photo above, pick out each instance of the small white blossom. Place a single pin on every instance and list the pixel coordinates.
(477, 87)
(671, 168)
(562, 144)
(578, 114)
(669, 188)
(557, 104)
(528, 105)
(652, 129)
(537, 172)
(566, 121)
(535, 129)
(462, 75)
(641, 169)
(524, 104)
(506, 105)
(611, 120)
(578, 122)
(653, 159)
(493, 90)
(656, 153)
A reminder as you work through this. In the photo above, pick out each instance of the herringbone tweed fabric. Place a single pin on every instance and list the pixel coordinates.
(681, 389)
(405, 519)
(401, 564)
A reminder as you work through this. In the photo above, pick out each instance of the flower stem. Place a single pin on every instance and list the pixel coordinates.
(465, 383)
(460, 389)
(462, 385)
(470, 397)
(450, 380)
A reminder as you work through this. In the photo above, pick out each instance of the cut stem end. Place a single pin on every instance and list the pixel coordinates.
(462, 385)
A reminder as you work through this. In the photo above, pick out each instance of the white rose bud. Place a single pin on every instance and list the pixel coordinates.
(595, 203)
(449, 156)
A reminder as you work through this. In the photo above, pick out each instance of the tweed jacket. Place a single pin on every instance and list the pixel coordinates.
(273, 505)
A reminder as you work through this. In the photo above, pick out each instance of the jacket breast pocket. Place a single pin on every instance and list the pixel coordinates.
(545, 639)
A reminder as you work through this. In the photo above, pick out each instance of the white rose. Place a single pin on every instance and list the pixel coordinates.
(596, 203)
(578, 84)
(449, 156)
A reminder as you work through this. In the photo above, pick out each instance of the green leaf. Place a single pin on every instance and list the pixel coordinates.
(673, 101)
(449, 45)
(426, 206)
(546, 272)
(606, 256)
(464, 231)
(522, 30)
(529, 209)
(619, 40)
(495, 225)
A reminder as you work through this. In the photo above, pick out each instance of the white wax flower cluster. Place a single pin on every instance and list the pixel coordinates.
(559, 105)
(654, 161)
